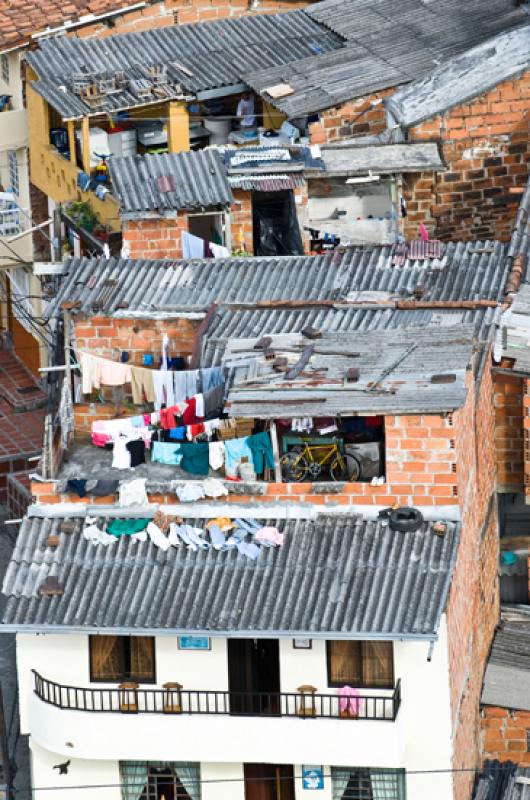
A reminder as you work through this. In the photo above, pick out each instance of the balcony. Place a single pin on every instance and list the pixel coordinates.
(131, 723)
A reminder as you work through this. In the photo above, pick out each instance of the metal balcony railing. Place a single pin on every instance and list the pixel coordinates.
(130, 699)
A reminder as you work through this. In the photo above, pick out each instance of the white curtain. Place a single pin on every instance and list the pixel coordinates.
(339, 780)
(189, 775)
(134, 777)
(386, 785)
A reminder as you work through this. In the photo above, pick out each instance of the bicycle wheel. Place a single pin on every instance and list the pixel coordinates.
(294, 467)
(353, 468)
(338, 470)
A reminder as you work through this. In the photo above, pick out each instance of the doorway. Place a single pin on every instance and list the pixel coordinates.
(254, 676)
(269, 782)
(275, 224)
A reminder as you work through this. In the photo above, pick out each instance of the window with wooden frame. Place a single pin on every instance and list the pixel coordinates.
(114, 659)
(360, 663)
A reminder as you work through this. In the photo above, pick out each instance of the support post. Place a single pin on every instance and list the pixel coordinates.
(85, 141)
(275, 452)
(57, 227)
(178, 133)
(71, 141)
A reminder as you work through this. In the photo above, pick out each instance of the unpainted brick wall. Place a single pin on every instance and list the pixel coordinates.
(504, 734)
(160, 13)
(486, 146)
(359, 117)
(473, 605)
(241, 222)
(508, 399)
(155, 238)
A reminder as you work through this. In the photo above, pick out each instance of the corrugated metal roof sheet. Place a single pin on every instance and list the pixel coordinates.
(466, 271)
(349, 159)
(395, 372)
(388, 44)
(335, 575)
(500, 781)
(198, 178)
(507, 677)
(198, 57)
(463, 77)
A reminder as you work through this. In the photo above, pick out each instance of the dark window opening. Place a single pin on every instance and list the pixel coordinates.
(254, 676)
(275, 224)
(114, 659)
(366, 783)
(360, 663)
(269, 782)
(160, 780)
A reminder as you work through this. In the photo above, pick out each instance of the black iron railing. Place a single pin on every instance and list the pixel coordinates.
(131, 700)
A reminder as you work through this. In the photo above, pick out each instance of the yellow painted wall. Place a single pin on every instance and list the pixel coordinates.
(55, 175)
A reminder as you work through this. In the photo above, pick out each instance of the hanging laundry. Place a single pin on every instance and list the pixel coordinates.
(199, 405)
(101, 439)
(189, 535)
(165, 354)
(248, 549)
(214, 488)
(261, 448)
(268, 534)
(137, 452)
(169, 416)
(166, 453)
(77, 486)
(103, 488)
(126, 527)
(194, 430)
(224, 523)
(214, 400)
(210, 377)
(141, 536)
(142, 385)
(219, 251)
(189, 416)
(164, 389)
(178, 433)
(302, 424)
(180, 387)
(192, 379)
(97, 371)
(95, 535)
(217, 537)
(157, 537)
(216, 455)
(210, 426)
(189, 492)
(89, 373)
(133, 493)
(235, 450)
(195, 458)
(121, 457)
(192, 246)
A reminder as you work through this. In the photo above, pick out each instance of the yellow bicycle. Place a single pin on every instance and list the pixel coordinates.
(307, 461)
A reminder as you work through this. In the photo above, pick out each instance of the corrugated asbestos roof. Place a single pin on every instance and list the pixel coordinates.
(347, 159)
(395, 375)
(507, 677)
(198, 57)
(335, 575)
(463, 77)
(388, 43)
(500, 780)
(195, 180)
(466, 271)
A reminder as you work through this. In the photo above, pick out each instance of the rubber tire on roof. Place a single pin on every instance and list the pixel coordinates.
(406, 519)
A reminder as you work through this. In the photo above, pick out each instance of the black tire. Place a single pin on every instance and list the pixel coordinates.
(294, 467)
(406, 519)
(353, 470)
(338, 471)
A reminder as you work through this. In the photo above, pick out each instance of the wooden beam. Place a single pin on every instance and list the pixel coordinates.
(71, 141)
(85, 144)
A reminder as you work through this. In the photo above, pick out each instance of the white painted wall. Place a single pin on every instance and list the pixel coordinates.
(420, 738)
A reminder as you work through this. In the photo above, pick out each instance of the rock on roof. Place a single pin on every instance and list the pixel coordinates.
(507, 678)
(339, 575)
(159, 185)
(463, 77)
(20, 19)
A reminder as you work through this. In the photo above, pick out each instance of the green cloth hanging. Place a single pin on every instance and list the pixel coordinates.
(124, 527)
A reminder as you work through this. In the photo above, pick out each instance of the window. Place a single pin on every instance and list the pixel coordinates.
(13, 171)
(5, 68)
(365, 783)
(169, 779)
(361, 664)
(122, 658)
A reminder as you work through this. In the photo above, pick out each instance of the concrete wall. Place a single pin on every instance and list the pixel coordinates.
(222, 743)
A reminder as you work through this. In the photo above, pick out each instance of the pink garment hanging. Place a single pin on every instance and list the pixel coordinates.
(349, 701)
(424, 233)
(269, 535)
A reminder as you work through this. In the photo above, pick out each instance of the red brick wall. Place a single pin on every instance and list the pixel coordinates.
(503, 734)
(242, 226)
(155, 238)
(509, 391)
(486, 146)
(108, 337)
(473, 606)
(168, 12)
(356, 118)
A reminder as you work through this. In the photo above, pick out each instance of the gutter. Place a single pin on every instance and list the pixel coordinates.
(88, 19)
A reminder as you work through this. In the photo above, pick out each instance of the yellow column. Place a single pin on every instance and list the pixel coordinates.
(178, 133)
(85, 141)
(71, 140)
